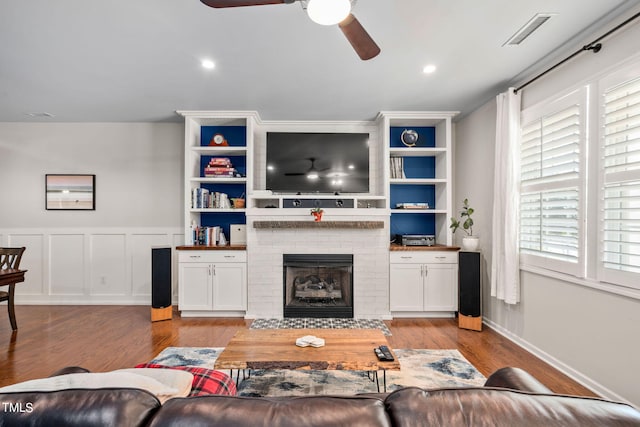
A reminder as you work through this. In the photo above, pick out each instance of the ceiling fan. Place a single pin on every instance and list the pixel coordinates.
(355, 33)
(311, 173)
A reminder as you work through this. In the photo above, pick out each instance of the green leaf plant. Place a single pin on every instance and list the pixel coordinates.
(465, 223)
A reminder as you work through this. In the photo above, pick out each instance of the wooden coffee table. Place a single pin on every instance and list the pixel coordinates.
(344, 349)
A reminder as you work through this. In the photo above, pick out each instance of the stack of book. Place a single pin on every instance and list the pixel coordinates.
(397, 168)
(219, 167)
(412, 205)
(208, 236)
(201, 198)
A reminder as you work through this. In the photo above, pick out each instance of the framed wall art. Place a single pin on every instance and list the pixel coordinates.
(70, 192)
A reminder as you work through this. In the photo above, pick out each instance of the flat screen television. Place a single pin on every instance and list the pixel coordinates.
(315, 163)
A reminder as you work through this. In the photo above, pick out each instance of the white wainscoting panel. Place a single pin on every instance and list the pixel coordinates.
(90, 265)
(108, 265)
(67, 264)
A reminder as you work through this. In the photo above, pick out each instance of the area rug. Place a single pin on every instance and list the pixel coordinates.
(320, 323)
(420, 368)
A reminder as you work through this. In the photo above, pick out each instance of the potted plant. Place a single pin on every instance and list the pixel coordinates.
(465, 223)
(317, 214)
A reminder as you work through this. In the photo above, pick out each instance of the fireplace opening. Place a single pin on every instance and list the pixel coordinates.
(318, 285)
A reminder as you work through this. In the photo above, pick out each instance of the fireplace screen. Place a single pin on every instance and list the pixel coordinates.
(318, 285)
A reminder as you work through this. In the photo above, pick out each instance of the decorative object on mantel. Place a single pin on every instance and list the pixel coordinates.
(317, 214)
(469, 242)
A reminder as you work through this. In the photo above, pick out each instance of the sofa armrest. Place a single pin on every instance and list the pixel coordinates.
(516, 379)
(70, 370)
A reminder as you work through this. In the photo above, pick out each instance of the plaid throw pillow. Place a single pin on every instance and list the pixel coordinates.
(205, 381)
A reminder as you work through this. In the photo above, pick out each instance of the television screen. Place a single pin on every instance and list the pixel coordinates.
(309, 163)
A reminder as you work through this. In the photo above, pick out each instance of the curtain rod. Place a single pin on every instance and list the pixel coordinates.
(595, 46)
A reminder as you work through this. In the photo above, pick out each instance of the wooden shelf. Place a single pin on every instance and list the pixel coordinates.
(397, 247)
(211, 248)
(366, 225)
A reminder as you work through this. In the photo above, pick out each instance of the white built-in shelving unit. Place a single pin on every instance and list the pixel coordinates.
(431, 174)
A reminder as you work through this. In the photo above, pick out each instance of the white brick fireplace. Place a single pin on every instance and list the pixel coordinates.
(369, 246)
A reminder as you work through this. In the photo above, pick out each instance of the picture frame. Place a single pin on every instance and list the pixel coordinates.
(70, 192)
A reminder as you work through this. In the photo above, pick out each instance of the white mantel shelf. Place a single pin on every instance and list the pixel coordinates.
(365, 225)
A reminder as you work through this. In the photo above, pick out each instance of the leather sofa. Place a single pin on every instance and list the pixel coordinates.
(510, 397)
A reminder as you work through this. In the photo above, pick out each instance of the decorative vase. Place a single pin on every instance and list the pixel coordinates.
(317, 216)
(470, 243)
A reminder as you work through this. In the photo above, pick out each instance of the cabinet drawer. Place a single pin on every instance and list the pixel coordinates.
(424, 257)
(212, 256)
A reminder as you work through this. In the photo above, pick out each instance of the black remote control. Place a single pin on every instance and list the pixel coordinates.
(384, 354)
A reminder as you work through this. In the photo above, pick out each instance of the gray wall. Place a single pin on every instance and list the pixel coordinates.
(138, 168)
(588, 333)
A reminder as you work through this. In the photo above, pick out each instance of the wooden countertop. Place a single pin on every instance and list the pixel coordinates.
(212, 248)
(393, 247)
(397, 247)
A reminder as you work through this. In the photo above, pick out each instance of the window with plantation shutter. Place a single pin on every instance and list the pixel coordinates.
(552, 143)
(620, 179)
(580, 183)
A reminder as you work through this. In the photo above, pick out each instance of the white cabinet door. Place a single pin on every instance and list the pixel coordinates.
(441, 287)
(406, 287)
(195, 286)
(230, 286)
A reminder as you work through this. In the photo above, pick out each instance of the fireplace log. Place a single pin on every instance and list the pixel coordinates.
(319, 293)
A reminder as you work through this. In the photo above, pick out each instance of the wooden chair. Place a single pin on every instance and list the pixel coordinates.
(10, 260)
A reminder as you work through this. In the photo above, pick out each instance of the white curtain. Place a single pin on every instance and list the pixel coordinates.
(505, 259)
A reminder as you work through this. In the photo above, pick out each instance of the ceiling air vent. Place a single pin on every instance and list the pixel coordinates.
(40, 114)
(528, 29)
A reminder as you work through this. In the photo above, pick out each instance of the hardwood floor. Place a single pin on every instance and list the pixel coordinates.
(103, 338)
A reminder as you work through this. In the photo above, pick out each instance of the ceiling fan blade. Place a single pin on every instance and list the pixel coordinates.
(238, 3)
(361, 41)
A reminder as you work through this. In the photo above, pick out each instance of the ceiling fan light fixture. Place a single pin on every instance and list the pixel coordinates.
(328, 12)
(312, 175)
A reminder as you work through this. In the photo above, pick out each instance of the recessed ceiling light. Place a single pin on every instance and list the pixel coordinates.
(208, 64)
(428, 69)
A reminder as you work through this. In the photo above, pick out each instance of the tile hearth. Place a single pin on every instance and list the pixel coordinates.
(320, 323)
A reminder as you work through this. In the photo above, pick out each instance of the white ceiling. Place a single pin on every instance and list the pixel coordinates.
(139, 60)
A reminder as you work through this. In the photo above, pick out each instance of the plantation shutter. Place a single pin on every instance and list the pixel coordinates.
(550, 186)
(620, 250)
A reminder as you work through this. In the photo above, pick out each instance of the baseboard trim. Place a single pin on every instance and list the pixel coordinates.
(575, 375)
